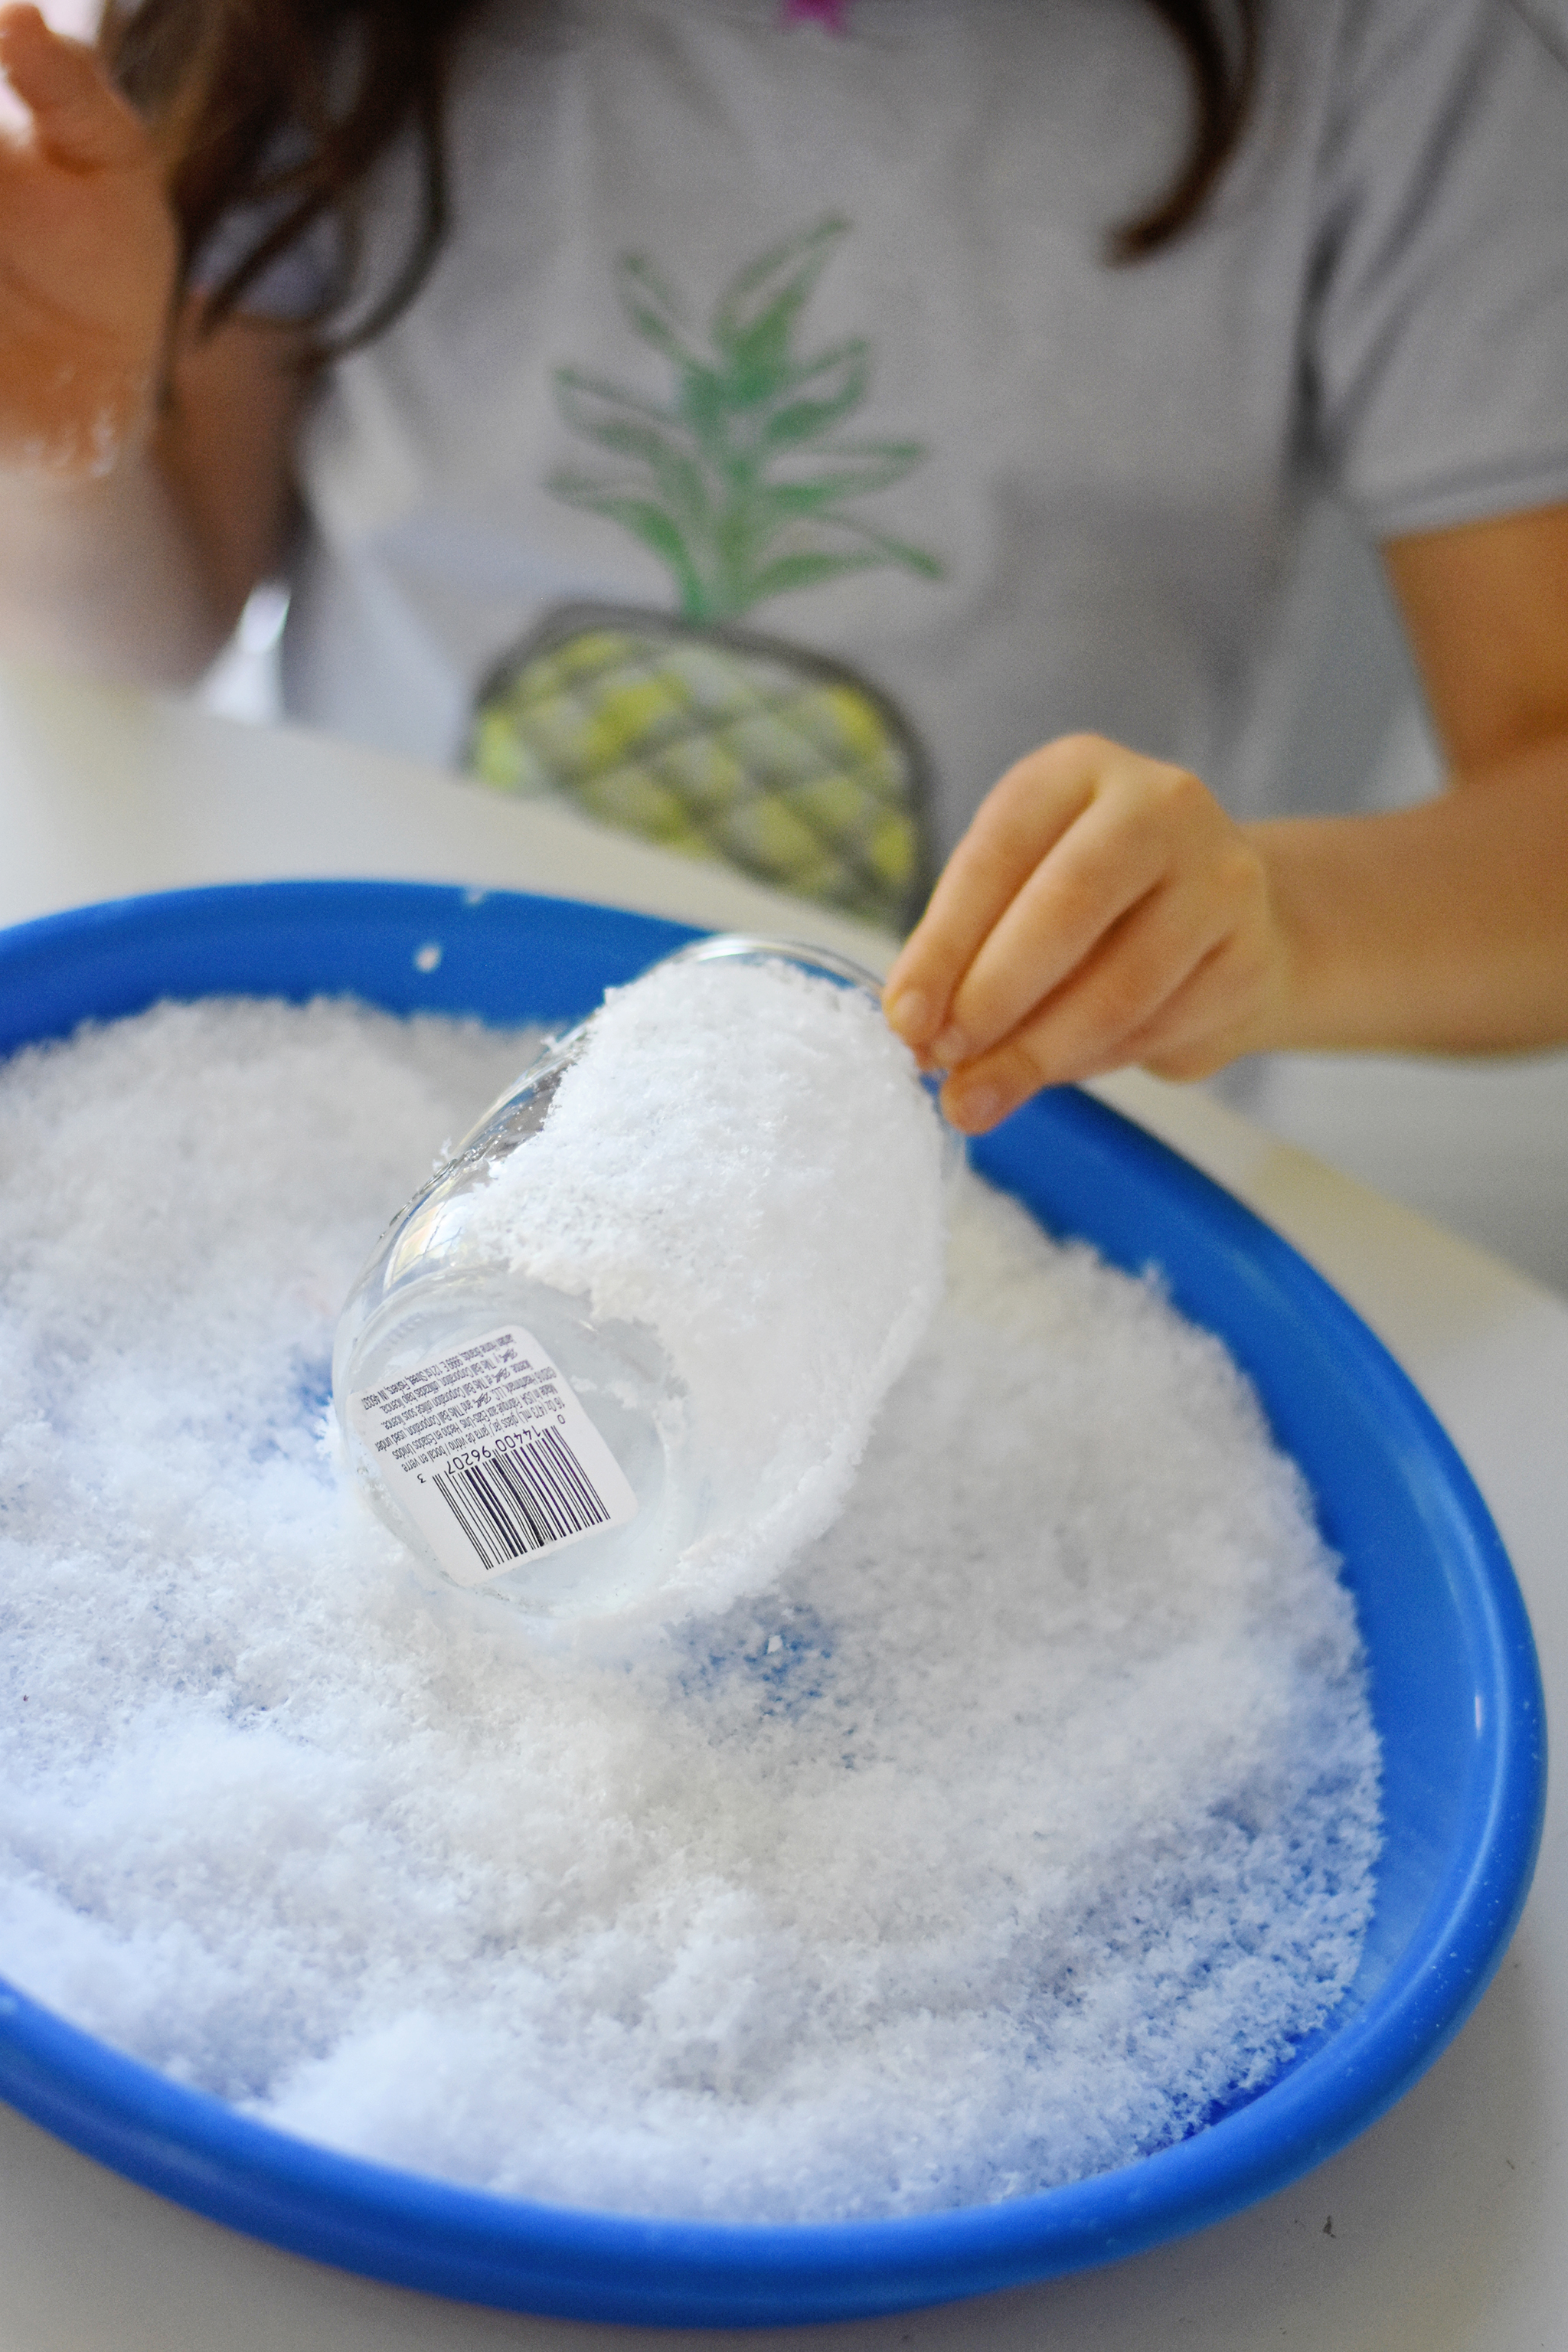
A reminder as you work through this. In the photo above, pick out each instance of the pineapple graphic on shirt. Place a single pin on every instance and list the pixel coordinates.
(685, 727)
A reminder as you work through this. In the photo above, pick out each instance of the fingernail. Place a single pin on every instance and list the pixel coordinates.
(950, 1048)
(975, 1108)
(910, 1014)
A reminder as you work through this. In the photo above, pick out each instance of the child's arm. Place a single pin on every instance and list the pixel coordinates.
(144, 474)
(1102, 909)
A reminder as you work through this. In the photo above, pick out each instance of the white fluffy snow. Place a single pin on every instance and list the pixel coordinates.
(745, 1164)
(1027, 1817)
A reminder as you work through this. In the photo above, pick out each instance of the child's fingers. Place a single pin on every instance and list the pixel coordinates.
(1184, 982)
(78, 120)
(1016, 825)
(1066, 846)
(1112, 857)
(1120, 992)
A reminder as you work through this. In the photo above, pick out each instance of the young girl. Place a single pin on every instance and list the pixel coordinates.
(762, 420)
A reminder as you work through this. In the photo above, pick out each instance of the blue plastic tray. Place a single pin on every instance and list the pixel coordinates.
(1455, 1687)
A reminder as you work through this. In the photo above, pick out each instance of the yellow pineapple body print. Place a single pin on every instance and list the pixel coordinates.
(717, 745)
(686, 730)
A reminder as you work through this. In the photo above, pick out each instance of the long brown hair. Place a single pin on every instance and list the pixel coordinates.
(285, 105)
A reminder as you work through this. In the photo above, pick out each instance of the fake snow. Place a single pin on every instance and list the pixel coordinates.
(745, 1164)
(1026, 1822)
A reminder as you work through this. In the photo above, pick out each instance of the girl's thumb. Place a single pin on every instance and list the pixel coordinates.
(78, 120)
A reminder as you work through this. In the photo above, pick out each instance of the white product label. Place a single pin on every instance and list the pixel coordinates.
(491, 1453)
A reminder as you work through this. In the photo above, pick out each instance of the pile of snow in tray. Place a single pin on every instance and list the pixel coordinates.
(1032, 1813)
(744, 1163)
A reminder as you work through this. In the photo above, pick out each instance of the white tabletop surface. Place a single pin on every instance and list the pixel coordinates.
(1434, 2232)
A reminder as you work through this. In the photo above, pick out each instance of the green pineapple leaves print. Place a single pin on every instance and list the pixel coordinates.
(682, 726)
(737, 481)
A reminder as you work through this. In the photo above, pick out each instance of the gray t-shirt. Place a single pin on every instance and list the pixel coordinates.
(801, 352)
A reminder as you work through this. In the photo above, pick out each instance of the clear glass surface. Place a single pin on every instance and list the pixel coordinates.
(432, 1285)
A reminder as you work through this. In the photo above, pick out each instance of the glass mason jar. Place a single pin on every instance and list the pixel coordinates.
(513, 1438)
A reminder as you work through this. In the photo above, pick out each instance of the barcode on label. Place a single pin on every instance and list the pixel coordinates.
(491, 1453)
(534, 1495)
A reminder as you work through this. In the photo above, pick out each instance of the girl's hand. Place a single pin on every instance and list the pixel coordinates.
(88, 259)
(1102, 909)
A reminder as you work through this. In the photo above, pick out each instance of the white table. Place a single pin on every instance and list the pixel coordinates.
(1434, 2232)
